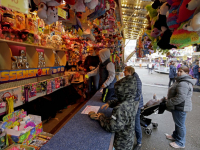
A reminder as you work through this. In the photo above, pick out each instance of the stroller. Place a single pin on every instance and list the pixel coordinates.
(159, 106)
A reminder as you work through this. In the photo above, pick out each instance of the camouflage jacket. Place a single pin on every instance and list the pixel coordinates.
(122, 121)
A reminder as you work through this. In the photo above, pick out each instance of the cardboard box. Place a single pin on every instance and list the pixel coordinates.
(18, 136)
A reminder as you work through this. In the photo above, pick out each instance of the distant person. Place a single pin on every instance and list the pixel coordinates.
(172, 73)
(179, 103)
(91, 63)
(185, 64)
(150, 67)
(196, 72)
(178, 65)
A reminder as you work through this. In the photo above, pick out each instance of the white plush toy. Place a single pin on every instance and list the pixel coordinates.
(52, 12)
(193, 4)
(92, 4)
(87, 1)
(42, 8)
(194, 23)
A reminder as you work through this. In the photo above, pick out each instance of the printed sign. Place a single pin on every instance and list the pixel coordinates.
(61, 13)
(13, 75)
(18, 5)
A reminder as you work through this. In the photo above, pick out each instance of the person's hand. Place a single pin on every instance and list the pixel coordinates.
(105, 106)
(92, 68)
(98, 115)
(103, 86)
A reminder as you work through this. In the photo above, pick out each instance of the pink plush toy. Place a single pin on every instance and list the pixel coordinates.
(92, 4)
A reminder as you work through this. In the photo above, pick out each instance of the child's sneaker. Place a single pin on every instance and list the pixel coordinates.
(169, 137)
(174, 145)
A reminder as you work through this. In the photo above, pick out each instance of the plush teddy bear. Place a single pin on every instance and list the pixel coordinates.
(42, 8)
(194, 23)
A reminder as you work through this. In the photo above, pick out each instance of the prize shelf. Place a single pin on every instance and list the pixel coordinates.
(31, 53)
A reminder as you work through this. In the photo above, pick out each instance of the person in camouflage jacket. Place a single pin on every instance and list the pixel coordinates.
(122, 121)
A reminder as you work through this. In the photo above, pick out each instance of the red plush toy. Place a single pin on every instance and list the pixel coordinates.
(183, 13)
(70, 2)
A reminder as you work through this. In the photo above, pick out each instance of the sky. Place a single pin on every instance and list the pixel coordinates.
(129, 47)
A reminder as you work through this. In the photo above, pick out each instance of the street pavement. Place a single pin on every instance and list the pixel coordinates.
(157, 83)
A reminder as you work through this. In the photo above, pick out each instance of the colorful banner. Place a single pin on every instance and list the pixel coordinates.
(21, 74)
(18, 5)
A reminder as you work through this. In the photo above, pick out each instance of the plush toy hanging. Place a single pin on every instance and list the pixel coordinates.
(193, 24)
(79, 6)
(92, 4)
(183, 13)
(47, 10)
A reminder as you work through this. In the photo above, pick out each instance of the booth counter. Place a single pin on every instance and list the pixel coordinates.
(82, 133)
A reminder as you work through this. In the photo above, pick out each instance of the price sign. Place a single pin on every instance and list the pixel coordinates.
(62, 13)
(18, 5)
(195, 38)
(104, 31)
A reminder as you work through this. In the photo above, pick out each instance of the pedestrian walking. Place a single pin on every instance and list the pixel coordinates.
(172, 73)
(179, 103)
(150, 67)
(196, 72)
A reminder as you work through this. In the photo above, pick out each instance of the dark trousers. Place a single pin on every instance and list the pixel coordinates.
(107, 94)
(197, 77)
(93, 83)
(171, 80)
(138, 130)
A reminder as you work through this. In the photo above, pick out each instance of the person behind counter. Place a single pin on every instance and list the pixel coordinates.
(122, 121)
(91, 63)
(179, 103)
(106, 71)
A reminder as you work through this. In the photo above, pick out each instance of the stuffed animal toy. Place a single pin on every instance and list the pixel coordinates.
(152, 12)
(87, 1)
(79, 6)
(56, 41)
(165, 40)
(157, 3)
(194, 23)
(193, 4)
(70, 2)
(184, 14)
(182, 38)
(42, 8)
(170, 2)
(172, 17)
(92, 4)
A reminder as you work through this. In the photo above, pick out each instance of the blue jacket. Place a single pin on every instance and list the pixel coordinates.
(196, 69)
(172, 71)
(139, 96)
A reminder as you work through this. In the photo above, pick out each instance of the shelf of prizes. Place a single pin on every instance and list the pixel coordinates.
(19, 131)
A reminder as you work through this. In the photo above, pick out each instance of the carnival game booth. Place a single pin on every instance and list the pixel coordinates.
(43, 45)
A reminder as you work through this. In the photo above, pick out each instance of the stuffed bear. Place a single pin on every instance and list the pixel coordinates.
(194, 23)
(42, 8)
